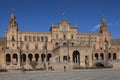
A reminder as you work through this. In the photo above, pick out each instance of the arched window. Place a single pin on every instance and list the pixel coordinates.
(64, 44)
(13, 39)
(48, 57)
(102, 56)
(96, 56)
(76, 57)
(23, 57)
(109, 56)
(56, 44)
(15, 56)
(30, 56)
(36, 57)
(64, 36)
(8, 58)
(43, 57)
(72, 37)
(64, 58)
(114, 56)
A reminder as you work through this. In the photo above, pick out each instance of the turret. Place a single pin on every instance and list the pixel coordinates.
(12, 33)
(13, 23)
(105, 34)
(103, 26)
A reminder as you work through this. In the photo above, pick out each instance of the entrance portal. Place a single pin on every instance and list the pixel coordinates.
(76, 57)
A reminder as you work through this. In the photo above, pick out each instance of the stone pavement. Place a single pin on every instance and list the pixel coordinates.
(86, 74)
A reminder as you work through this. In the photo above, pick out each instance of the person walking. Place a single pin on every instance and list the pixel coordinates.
(64, 68)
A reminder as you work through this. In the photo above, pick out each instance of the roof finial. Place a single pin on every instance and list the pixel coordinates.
(62, 13)
(12, 15)
(103, 20)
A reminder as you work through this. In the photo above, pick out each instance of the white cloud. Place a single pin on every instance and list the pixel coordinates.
(95, 27)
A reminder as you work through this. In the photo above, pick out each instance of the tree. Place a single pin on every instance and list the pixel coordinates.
(33, 64)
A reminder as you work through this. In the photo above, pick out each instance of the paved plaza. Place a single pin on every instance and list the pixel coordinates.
(86, 74)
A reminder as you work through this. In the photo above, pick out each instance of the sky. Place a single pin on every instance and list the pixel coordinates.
(39, 15)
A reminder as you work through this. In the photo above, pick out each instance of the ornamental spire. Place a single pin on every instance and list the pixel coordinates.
(103, 20)
(13, 23)
(12, 15)
(103, 27)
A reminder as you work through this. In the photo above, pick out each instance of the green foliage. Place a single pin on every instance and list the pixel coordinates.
(33, 64)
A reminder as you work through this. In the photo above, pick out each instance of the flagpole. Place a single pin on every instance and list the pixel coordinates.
(63, 17)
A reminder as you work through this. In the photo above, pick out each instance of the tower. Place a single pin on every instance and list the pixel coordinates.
(103, 26)
(104, 33)
(12, 32)
(13, 23)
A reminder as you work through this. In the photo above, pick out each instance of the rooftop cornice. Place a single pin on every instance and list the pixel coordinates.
(35, 32)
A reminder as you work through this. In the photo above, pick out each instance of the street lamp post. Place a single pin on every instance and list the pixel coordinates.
(45, 48)
(106, 49)
(68, 52)
(21, 56)
(68, 57)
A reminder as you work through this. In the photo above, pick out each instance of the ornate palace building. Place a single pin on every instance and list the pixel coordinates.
(63, 45)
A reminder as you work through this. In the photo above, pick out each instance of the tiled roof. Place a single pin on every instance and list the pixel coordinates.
(115, 42)
(2, 40)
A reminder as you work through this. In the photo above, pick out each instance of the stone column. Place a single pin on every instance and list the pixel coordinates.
(5, 64)
(18, 59)
(61, 59)
(11, 64)
(93, 56)
(99, 57)
(71, 59)
(27, 60)
(112, 56)
(82, 60)
(90, 60)
(39, 60)
(104, 56)
(33, 59)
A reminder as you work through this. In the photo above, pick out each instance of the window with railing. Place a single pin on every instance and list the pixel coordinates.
(38, 38)
(42, 39)
(36, 46)
(27, 46)
(25, 38)
(13, 39)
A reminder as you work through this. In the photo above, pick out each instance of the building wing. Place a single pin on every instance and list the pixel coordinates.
(115, 42)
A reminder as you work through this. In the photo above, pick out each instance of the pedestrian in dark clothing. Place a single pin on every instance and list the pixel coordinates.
(64, 68)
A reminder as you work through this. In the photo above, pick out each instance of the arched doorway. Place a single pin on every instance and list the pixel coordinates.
(48, 57)
(36, 57)
(30, 56)
(96, 56)
(102, 56)
(23, 57)
(109, 56)
(86, 61)
(76, 57)
(114, 56)
(56, 44)
(43, 57)
(65, 58)
(8, 59)
(15, 58)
